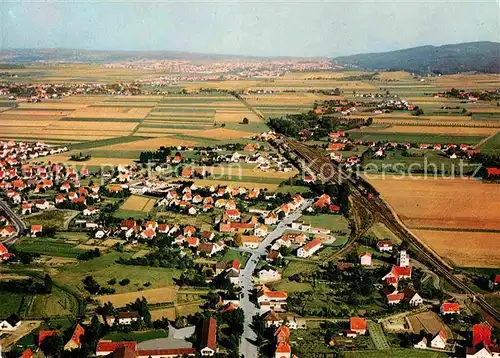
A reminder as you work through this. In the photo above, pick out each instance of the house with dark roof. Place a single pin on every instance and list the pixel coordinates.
(10, 324)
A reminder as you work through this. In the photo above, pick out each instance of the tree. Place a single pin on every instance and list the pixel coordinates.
(238, 240)
(47, 286)
(53, 346)
(336, 92)
(245, 120)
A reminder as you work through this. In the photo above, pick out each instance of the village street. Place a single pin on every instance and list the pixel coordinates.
(247, 346)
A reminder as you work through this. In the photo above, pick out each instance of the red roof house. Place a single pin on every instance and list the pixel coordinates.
(357, 324)
(481, 333)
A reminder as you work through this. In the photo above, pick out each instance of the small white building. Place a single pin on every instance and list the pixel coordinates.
(269, 275)
(10, 324)
(404, 259)
(365, 259)
(127, 318)
(310, 248)
(439, 341)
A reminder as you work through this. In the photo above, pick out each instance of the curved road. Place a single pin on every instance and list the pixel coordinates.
(247, 347)
(14, 219)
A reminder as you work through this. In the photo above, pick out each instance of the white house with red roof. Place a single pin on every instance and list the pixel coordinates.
(357, 325)
(439, 341)
(7, 231)
(310, 248)
(36, 229)
(449, 308)
(384, 246)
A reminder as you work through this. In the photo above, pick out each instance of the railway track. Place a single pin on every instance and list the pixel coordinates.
(359, 188)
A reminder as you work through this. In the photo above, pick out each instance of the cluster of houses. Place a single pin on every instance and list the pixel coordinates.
(45, 91)
(197, 198)
(13, 153)
(206, 345)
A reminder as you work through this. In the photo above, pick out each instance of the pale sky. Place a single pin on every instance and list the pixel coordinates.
(260, 28)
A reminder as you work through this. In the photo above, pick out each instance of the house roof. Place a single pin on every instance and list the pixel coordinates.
(496, 279)
(283, 332)
(129, 314)
(357, 323)
(28, 353)
(450, 307)
(283, 347)
(393, 297)
(310, 245)
(44, 334)
(481, 333)
(401, 271)
(77, 334)
(166, 352)
(384, 243)
(36, 227)
(109, 346)
(123, 352)
(209, 334)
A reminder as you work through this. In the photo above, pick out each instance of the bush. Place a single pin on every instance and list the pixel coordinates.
(124, 282)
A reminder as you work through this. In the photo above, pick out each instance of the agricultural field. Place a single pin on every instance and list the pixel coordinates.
(138, 203)
(430, 322)
(105, 268)
(58, 219)
(464, 248)
(458, 218)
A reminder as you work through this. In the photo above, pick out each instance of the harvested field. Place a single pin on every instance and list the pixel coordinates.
(94, 126)
(180, 310)
(429, 322)
(65, 158)
(440, 202)
(464, 248)
(222, 134)
(235, 116)
(111, 242)
(238, 171)
(138, 203)
(52, 105)
(235, 184)
(111, 112)
(155, 295)
(37, 113)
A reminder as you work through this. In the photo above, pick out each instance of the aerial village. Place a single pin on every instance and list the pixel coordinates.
(401, 301)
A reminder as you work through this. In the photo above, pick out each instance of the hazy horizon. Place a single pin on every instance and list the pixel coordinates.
(271, 29)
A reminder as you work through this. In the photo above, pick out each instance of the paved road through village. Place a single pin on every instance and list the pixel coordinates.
(16, 220)
(247, 347)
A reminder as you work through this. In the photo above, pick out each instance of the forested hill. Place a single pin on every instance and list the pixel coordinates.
(446, 59)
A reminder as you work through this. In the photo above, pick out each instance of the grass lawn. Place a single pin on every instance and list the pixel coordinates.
(125, 214)
(105, 268)
(291, 286)
(49, 247)
(395, 353)
(332, 222)
(104, 142)
(232, 254)
(293, 189)
(383, 233)
(136, 336)
(9, 303)
(294, 267)
(50, 218)
(58, 303)
(492, 145)
(202, 220)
